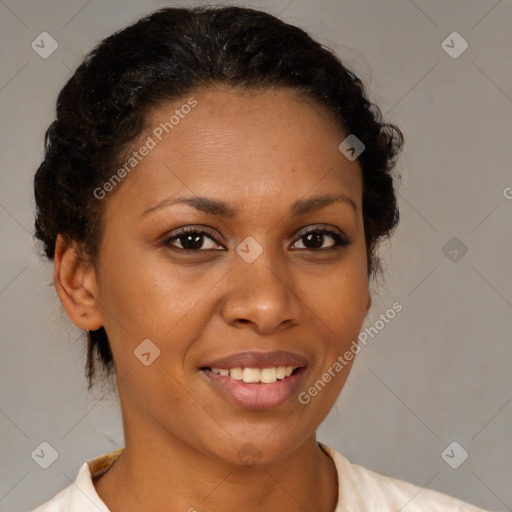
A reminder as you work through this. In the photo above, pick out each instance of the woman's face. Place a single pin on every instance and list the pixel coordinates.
(255, 286)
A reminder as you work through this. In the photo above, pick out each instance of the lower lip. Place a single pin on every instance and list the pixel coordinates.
(256, 396)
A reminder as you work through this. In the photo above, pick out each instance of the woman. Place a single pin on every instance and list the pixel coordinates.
(213, 191)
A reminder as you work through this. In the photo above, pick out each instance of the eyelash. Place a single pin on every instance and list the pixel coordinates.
(339, 240)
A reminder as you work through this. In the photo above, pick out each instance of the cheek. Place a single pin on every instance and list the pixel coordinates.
(148, 297)
(138, 288)
(340, 294)
(340, 306)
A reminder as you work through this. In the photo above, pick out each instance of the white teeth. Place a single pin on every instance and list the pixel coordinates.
(236, 373)
(268, 375)
(252, 375)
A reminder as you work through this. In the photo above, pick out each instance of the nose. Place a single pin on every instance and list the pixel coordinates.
(261, 295)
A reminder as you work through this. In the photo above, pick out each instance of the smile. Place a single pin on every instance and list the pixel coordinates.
(256, 380)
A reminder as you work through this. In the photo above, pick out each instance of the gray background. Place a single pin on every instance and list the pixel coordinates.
(438, 372)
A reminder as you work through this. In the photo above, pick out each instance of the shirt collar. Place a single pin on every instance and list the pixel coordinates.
(83, 495)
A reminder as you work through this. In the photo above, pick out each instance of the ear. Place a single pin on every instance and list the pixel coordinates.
(75, 282)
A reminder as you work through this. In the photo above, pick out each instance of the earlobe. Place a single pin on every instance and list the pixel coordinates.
(75, 282)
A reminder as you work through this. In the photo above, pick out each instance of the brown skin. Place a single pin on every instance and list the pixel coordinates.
(259, 152)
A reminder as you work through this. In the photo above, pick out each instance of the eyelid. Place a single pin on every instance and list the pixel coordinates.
(168, 237)
(323, 228)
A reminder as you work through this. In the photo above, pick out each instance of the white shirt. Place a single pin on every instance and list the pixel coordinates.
(359, 490)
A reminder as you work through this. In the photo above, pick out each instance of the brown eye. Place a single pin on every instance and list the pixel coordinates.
(314, 239)
(192, 240)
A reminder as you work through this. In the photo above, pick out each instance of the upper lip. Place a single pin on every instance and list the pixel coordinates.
(254, 359)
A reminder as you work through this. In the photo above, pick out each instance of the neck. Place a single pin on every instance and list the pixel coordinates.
(166, 474)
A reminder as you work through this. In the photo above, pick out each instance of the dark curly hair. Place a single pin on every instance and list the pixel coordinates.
(162, 57)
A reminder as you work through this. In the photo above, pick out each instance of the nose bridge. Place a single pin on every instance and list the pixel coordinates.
(262, 265)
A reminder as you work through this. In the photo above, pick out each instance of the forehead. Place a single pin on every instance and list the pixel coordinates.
(242, 146)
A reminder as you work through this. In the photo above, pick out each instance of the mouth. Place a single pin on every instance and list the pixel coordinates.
(256, 380)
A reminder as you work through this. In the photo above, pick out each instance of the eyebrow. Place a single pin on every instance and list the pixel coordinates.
(221, 208)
